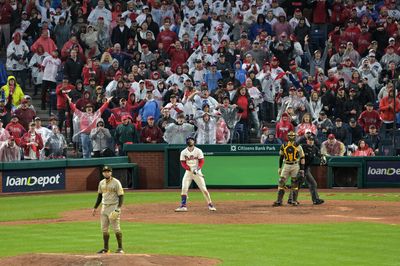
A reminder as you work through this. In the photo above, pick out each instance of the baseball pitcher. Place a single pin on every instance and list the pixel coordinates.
(192, 160)
(111, 196)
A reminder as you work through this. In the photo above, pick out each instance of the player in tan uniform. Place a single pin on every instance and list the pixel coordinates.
(291, 154)
(192, 159)
(111, 196)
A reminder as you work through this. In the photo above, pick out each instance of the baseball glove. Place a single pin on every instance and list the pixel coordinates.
(113, 215)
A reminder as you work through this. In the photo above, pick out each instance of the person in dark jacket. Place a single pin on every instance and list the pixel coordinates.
(341, 133)
(352, 107)
(73, 67)
(282, 54)
(356, 131)
(120, 34)
(340, 102)
(126, 133)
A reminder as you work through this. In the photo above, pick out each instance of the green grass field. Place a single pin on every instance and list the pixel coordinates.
(263, 244)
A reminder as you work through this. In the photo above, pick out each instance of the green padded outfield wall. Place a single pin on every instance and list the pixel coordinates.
(250, 170)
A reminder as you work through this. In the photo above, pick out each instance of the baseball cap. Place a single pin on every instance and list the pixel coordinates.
(342, 45)
(150, 117)
(322, 113)
(107, 168)
(24, 101)
(369, 104)
(391, 39)
(352, 120)
(352, 90)
(265, 129)
(331, 136)
(144, 46)
(198, 61)
(37, 118)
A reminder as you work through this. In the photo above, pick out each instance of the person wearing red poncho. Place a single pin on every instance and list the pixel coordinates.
(32, 143)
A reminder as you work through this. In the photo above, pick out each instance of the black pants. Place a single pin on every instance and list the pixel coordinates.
(311, 183)
(47, 86)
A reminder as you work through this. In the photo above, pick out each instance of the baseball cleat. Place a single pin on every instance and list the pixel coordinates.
(103, 251)
(211, 207)
(290, 202)
(120, 251)
(181, 209)
(277, 204)
(318, 202)
(295, 203)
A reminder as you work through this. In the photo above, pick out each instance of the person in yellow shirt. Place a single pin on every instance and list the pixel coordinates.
(13, 88)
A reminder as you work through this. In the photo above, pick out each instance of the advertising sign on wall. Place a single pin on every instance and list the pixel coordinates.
(33, 180)
(383, 171)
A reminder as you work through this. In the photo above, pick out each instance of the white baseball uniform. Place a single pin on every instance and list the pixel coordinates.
(192, 160)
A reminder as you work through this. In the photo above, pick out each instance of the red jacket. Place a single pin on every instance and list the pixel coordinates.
(61, 98)
(25, 116)
(363, 42)
(95, 72)
(352, 34)
(282, 129)
(320, 14)
(154, 133)
(386, 108)
(117, 113)
(26, 138)
(167, 38)
(5, 13)
(16, 130)
(177, 57)
(367, 151)
(369, 118)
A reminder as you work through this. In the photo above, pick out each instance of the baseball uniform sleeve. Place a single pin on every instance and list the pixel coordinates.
(120, 190)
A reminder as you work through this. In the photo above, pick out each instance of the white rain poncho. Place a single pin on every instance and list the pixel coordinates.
(177, 134)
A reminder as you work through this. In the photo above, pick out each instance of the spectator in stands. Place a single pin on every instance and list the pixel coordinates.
(43, 131)
(31, 143)
(306, 123)
(35, 65)
(17, 59)
(356, 131)
(56, 146)
(100, 137)
(12, 89)
(4, 134)
(50, 67)
(45, 41)
(363, 149)
(373, 139)
(324, 125)
(126, 133)
(332, 147)
(73, 67)
(388, 107)
(341, 132)
(176, 133)
(87, 121)
(283, 127)
(369, 117)
(25, 114)
(9, 150)
(62, 102)
(151, 133)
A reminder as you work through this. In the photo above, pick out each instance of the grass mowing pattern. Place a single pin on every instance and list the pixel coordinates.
(322, 244)
(50, 206)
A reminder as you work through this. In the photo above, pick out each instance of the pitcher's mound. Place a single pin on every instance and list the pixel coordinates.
(104, 259)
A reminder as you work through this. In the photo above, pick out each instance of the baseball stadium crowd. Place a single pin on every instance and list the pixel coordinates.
(229, 71)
